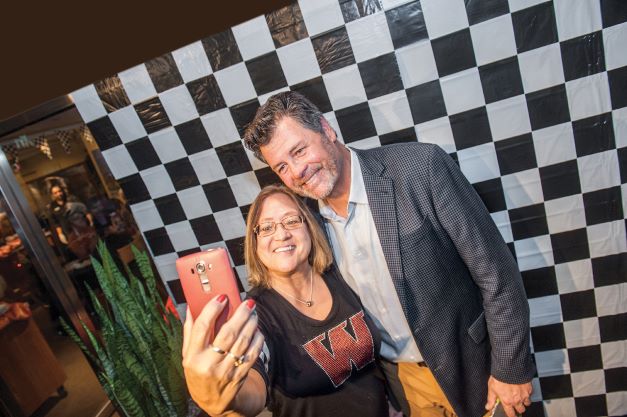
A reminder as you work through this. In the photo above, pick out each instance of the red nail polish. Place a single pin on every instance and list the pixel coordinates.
(250, 304)
(221, 298)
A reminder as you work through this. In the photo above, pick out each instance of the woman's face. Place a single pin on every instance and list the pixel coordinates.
(285, 251)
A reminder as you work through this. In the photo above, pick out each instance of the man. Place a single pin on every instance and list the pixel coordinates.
(414, 240)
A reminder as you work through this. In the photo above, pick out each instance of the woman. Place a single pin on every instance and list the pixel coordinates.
(321, 345)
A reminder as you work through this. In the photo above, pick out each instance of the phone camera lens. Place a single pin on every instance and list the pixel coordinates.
(200, 267)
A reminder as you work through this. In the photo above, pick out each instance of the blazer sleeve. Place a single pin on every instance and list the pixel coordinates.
(465, 218)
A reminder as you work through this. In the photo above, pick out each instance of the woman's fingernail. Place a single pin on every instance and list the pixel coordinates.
(250, 304)
(221, 298)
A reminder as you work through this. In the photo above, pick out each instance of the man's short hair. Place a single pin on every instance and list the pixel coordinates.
(285, 104)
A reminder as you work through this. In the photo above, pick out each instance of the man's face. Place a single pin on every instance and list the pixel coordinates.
(306, 161)
(57, 194)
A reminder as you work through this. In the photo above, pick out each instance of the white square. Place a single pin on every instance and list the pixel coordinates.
(576, 18)
(416, 63)
(616, 403)
(588, 96)
(344, 87)
(182, 236)
(179, 105)
(598, 171)
(391, 112)
(88, 103)
(607, 238)
(479, 163)
(610, 299)
(254, 162)
(332, 119)
(554, 144)
(298, 61)
(614, 41)
(437, 131)
(623, 189)
(501, 219)
(166, 265)
(369, 37)
(321, 15)
(588, 383)
(242, 273)
(146, 215)
(390, 4)
(545, 310)
(231, 223)
(167, 145)
(235, 84)
(560, 407)
(522, 188)
(137, 83)
(207, 166)
(192, 61)
(194, 202)
(444, 16)
(127, 124)
(533, 253)
(552, 362)
(488, 47)
(614, 354)
(220, 127)
(619, 118)
(368, 143)
(508, 118)
(157, 181)
(541, 68)
(564, 214)
(515, 5)
(580, 333)
(253, 38)
(574, 276)
(119, 161)
(469, 83)
(245, 187)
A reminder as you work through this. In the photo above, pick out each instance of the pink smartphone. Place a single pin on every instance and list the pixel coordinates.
(205, 275)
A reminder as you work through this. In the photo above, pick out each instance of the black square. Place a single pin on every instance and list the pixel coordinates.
(206, 94)
(613, 12)
(164, 73)
(134, 189)
(609, 270)
(528, 221)
(176, 289)
(570, 246)
(159, 241)
(426, 101)
(182, 174)
(193, 136)
(243, 114)
(453, 52)
(501, 79)
(512, 249)
(333, 50)
(233, 158)
(245, 209)
(491, 193)
(316, 92)
(549, 337)
(152, 115)
(622, 164)
(236, 249)
(104, 132)
(206, 229)
(516, 154)
(406, 24)
(222, 50)
(548, 107)
(578, 305)
(356, 122)
(603, 206)
(143, 153)
(355, 9)
(219, 195)
(399, 136)
(112, 94)
(618, 85)
(616, 379)
(266, 176)
(480, 11)
(266, 73)
(534, 27)
(594, 134)
(591, 406)
(583, 56)
(286, 25)
(560, 180)
(470, 128)
(585, 358)
(536, 409)
(613, 328)
(558, 386)
(170, 209)
(540, 282)
(380, 75)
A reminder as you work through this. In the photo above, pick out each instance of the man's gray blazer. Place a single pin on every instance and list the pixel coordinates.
(458, 283)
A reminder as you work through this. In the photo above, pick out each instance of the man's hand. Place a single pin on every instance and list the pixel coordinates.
(514, 397)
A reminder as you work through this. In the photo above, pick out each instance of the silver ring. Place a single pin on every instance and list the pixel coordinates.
(217, 349)
(239, 360)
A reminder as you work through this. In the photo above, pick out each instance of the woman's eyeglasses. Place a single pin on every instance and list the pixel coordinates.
(288, 223)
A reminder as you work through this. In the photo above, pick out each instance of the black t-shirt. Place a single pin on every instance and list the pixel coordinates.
(321, 368)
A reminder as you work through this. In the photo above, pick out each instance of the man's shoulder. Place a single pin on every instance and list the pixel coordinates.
(398, 150)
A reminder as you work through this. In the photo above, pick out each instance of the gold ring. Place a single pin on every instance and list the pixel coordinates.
(217, 349)
(239, 360)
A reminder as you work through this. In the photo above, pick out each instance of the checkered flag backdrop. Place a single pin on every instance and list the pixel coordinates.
(65, 138)
(528, 96)
(42, 144)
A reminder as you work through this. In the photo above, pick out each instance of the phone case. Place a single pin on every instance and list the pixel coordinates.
(205, 275)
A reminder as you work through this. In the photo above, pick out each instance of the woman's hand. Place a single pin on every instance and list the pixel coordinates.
(215, 370)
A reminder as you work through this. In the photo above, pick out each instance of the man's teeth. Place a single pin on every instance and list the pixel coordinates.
(285, 248)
